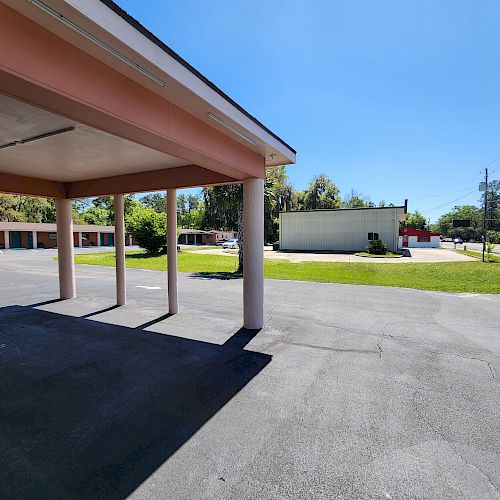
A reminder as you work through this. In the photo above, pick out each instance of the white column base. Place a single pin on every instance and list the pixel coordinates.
(253, 254)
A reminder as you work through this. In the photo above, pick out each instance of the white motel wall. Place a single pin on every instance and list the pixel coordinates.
(344, 229)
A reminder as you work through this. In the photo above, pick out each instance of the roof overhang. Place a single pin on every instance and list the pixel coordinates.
(107, 33)
(92, 104)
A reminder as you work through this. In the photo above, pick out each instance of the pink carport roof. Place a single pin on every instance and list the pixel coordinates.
(54, 77)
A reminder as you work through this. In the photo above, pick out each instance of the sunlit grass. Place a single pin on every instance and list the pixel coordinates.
(476, 277)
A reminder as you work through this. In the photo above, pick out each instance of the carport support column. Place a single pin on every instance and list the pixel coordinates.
(6, 239)
(173, 299)
(64, 214)
(253, 253)
(121, 297)
(34, 239)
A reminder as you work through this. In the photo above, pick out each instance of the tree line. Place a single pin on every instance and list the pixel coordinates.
(220, 207)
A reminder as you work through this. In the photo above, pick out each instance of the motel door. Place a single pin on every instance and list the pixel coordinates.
(16, 239)
(111, 239)
(405, 240)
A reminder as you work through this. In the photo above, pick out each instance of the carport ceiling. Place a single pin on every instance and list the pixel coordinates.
(80, 154)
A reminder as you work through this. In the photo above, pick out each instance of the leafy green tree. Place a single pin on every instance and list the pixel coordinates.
(493, 206)
(444, 224)
(224, 210)
(357, 200)
(278, 193)
(96, 215)
(181, 204)
(156, 201)
(148, 228)
(416, 220)
(16, 208)
(192, 202)
(321, 193)
(9, 209)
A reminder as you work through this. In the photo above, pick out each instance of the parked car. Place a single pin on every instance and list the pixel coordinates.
(448, 240)
(230, 243)
(458, 241)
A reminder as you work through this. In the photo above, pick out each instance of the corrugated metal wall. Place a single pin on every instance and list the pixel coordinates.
(341, 230)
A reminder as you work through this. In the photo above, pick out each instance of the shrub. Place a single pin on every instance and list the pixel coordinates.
(149, 229)
(489, 250)
(377, 247)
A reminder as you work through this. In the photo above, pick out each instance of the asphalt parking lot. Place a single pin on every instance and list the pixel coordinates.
(349, 392)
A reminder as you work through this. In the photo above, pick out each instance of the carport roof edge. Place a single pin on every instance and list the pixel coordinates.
(153, 38)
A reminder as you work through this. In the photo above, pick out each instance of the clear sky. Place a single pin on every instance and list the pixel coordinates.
(395, 99)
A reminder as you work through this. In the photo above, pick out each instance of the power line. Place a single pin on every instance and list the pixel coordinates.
(448, 203)
(442, 194)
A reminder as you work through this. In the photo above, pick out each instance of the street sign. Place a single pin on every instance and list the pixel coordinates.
(461, 223)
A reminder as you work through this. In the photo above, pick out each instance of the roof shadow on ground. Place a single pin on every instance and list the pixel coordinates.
(223, 275)
(91, 410)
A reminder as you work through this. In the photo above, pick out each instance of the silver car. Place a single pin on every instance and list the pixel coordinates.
(230, 243)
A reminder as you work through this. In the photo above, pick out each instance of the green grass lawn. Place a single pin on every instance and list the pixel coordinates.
(479, 255)
(476, 277)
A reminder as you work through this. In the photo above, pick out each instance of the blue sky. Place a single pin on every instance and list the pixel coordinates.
(395, 99)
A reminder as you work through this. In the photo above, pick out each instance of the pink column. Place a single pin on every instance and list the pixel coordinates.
(66, 263)
(121, 297)
(173, 299)
(253, 253)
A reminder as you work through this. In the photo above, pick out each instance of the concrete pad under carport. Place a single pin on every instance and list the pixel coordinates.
(349, 391)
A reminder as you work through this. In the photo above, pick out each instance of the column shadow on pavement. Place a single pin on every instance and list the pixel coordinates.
(91, 410)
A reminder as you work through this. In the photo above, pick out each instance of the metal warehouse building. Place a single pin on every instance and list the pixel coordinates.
(343, 229)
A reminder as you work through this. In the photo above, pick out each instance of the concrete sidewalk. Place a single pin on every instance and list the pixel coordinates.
(349, 392)
(416, 255)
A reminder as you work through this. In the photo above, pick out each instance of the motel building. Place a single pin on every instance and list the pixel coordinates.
(44, 235)
(93, 104)
(200, 237)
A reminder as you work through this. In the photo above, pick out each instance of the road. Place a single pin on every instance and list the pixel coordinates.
(349, 392)
(474, 247)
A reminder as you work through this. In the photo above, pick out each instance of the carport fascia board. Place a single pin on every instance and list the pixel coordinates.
(40, 68)
(155, 180)
(30, 186)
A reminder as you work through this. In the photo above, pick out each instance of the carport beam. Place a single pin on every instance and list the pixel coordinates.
(253, 252)
(121, 295)
(65, 252)
(173, 299)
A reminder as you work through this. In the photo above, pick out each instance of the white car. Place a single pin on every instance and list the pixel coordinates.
(230, 243)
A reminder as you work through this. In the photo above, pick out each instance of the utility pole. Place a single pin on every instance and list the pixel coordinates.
(485, 221)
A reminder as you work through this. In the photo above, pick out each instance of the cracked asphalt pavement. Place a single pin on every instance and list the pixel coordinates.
(349, 392)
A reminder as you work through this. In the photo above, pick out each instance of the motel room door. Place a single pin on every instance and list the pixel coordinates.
(16, 239)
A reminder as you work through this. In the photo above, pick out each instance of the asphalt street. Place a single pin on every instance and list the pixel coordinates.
(349, 392)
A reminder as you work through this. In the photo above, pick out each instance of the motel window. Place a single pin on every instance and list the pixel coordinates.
(424, 239)
(372, 236)
(85, 236)
(53, 236)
